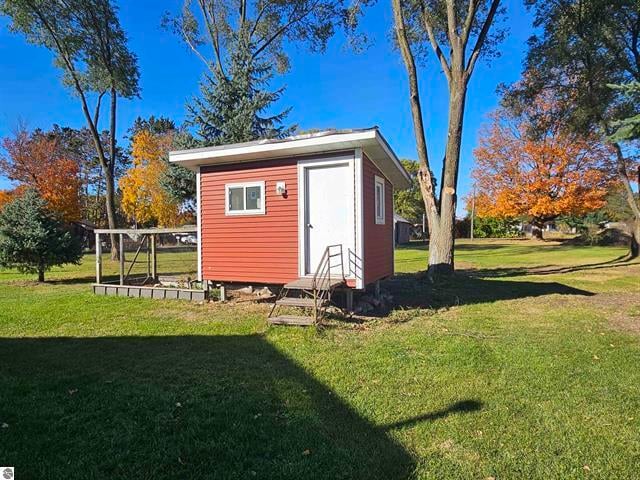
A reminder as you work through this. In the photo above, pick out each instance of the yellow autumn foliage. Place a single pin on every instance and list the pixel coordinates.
(143, 199)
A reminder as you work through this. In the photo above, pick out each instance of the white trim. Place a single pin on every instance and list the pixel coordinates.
(244, 186)
(359, 217)
(371, 141)
(199, 224)
(380, 220)
(393, 240)
(240, 150)
(347, 158)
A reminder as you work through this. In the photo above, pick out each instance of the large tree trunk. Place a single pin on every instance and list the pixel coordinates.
(41, 274)
(442, 243)
(110, 174)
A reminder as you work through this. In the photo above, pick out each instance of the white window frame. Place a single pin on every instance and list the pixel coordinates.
(380, 220)
(244, 186)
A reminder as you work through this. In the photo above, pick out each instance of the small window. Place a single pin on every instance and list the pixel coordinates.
(379, 192)
(244, 198)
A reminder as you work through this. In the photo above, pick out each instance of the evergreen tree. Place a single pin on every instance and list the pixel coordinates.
(232, 106)
(32, 239)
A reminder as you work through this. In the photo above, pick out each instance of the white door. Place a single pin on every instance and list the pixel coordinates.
(329, 205)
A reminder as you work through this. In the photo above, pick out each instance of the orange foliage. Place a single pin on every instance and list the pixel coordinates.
(6, 196)
(38, 162)
(540, 176)
(143, 199)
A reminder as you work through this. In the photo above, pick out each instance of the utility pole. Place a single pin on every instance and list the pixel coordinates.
(473, 210)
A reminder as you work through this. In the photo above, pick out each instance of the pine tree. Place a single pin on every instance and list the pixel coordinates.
(232, 106)
(32, 239)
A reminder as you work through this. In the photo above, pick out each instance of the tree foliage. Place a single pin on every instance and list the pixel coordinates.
(528, 165)
(40, 161)
(409, 203)
(32, 238)
(144, 201)
(627, 129)
(242, 45)
(584, 47)
(90, 47)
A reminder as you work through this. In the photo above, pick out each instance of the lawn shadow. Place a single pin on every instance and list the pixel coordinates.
(413, 290)
(506, 272)
(183, 407)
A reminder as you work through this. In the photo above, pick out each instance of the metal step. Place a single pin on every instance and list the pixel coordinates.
(306, 283)
(291, 320)
(300, 302)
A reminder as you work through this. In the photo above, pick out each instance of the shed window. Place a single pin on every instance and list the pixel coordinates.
(379, 192)
(244, 198)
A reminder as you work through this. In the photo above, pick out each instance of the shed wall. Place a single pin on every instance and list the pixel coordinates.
(250, 248)
(378, 239)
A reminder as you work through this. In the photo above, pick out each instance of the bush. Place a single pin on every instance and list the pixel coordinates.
(32, 239)
(491, 227)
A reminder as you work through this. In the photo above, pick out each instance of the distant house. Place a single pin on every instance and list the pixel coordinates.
(403, 229)
(84, 229)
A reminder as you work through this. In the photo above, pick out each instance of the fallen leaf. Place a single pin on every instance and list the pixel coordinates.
(72, 391)
(596, 357)
(306, 452)
(586, 468)
(5, 425)
(178, 404)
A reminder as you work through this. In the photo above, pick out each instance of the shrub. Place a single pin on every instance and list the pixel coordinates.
(492, 227)
(32, 239)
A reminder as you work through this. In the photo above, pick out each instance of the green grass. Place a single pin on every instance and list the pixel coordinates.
(525, 365)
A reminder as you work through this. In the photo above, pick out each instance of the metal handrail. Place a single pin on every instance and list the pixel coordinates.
(321, 282)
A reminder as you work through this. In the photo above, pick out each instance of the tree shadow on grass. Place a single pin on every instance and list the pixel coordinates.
(183, 407)
(413, 290)
(505, 272)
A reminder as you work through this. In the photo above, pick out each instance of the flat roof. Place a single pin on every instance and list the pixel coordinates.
(370, 140)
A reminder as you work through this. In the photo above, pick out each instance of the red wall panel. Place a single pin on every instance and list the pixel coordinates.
(378, 239)
(250, 248)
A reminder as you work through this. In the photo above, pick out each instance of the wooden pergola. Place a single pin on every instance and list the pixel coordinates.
(149, 237)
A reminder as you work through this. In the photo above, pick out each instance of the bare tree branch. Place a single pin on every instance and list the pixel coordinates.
(482, 36)
(434, 42)
(425, 177)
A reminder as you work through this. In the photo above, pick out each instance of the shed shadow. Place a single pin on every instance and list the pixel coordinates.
(182, 407)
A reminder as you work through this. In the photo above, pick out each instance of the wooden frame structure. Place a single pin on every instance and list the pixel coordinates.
(141, 290)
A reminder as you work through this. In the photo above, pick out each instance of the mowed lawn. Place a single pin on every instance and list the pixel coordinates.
(525, 366)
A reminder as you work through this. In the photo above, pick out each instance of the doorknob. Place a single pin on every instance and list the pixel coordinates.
(309, 225)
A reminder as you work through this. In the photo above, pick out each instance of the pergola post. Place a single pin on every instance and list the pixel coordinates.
(121, 259)
(154, 259)
(98, 259)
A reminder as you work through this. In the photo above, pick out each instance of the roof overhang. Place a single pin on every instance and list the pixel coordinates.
(370, 140)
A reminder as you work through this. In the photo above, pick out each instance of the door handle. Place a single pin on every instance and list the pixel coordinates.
(309, 225)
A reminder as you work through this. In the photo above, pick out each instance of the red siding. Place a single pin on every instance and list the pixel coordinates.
(378, 239)
(250, 248)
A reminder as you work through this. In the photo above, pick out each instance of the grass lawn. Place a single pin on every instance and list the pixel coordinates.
(525, 365)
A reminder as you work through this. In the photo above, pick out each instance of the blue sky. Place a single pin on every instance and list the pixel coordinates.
(335, 89)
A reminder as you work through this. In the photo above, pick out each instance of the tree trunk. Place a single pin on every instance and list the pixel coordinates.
(634, 244)
(111, 212)
(110, 174)
(442, 243)
(41, 274)
(536, 232)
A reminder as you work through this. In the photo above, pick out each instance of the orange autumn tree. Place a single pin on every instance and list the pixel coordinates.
(38, 161)
(144, 201)
(528, 166)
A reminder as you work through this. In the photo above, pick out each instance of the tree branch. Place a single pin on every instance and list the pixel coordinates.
(434, 42)
(425, 176)
(481, 38)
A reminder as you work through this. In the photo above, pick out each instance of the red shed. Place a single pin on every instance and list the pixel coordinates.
(268, 210)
